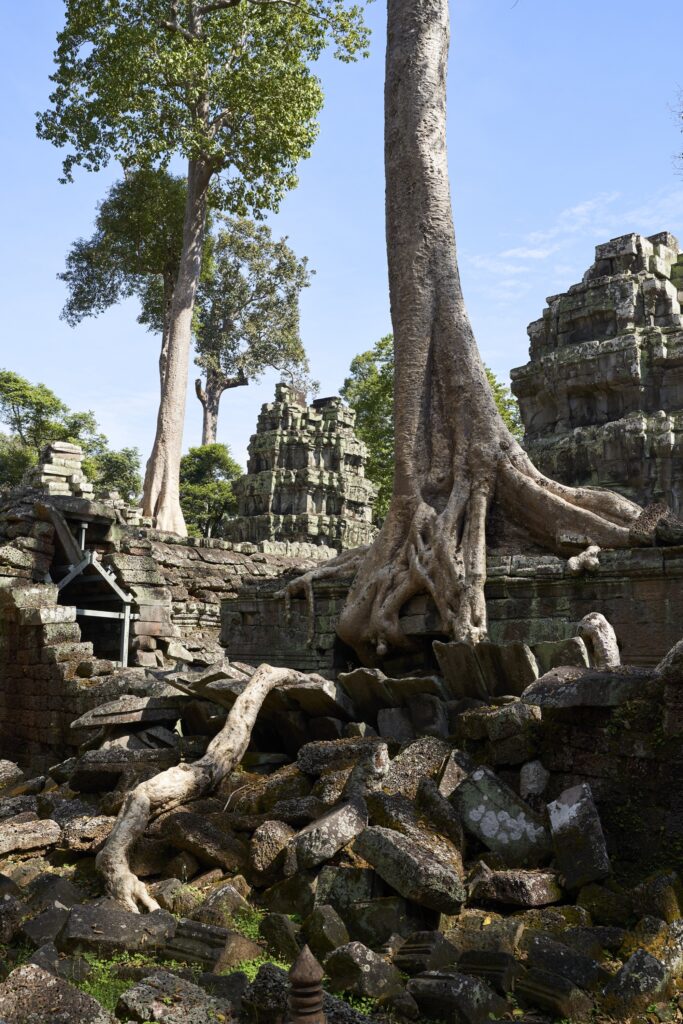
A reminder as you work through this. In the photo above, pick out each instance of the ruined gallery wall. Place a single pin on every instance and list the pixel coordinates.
(530, 598)
(48, 674)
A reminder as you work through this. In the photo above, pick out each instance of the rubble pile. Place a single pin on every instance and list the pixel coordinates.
(416, 833)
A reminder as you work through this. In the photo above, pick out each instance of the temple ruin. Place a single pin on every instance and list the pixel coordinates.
(602, 394)
(305, 477)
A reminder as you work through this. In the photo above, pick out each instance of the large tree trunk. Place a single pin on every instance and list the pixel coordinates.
(167, 311)
(161, 490)
(453, 451)
(210, 395)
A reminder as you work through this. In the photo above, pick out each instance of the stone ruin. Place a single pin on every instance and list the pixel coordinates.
(305, 478)
(602, 394)
(462, 835)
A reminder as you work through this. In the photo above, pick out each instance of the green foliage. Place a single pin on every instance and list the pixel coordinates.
(363, 1004)
(247, 923)
(369, 390)
(226, 84)
(104, 982)
(134, 251)
(35, 417)
(116, 471)
(248, 303)
(206, 496)
(508, 407)
(252, 967)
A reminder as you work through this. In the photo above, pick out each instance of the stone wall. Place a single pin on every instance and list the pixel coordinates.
(602, 395)
(529, 598)
(306, 476)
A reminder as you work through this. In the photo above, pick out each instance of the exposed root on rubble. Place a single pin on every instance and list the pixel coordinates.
(183, 783)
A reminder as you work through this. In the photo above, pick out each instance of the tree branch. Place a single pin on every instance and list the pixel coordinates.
(224, 5)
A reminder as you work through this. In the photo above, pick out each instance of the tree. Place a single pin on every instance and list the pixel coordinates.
(454, 451)
(116, 471)
(134, 251)
(36, 416)
(206, 494)
(226, 85)
(369, 390)
(247, 313)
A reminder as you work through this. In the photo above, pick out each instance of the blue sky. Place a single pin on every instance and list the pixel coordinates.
(562, 134)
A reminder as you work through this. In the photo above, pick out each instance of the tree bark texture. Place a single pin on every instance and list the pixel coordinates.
(210, 395)
(161, 498)
(184, 783)
(167, 300)
(453, 451)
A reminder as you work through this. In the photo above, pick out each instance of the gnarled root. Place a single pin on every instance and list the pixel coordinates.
(185, 782)
(422, 550)
(343, 566)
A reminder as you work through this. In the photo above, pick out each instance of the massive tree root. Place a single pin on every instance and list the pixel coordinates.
(183, 783)
(453, 451)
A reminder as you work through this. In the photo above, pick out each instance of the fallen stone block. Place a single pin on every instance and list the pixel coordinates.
(553, 994)
(501, 820)
(374, 922)
(483, 930)
(86, 834)
(220, 906)
(237, 949)
(578, 839)
(461, 998)
(368, 691)
(554, 957)
(356, 969)
(283, 936)
(429, 715)
(100, 770)
(411, 869)
(129, 709)
(324, 931)
(266, 999)
(516, 887)
(10, 773)
(197, 835)
(640, 981)
(168, 999)
(425, 951)
(12, 912)
(195, 943)
(31, 995)
(551, 654)
(395, 726)
(293, 895)
(457, 766)
(19, 836)
(266, 848)
(499, 970)
(660, 895)
(105, 928)
(326, 755)
(573, 688)
(44, 928)
(343, 886)
(422, 759)
(319, 841)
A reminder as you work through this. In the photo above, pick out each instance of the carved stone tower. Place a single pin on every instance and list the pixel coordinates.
(602, 395)
(305, 476)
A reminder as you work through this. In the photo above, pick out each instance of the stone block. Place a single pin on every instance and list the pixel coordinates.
(577, 836)
(464, 999)
(501, 820)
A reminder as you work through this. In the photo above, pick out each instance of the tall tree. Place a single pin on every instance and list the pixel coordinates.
(206, 477)
(35, 416)
(225, 84)
(369, 390)
(454, 451)
(134, 251)
(247, 313)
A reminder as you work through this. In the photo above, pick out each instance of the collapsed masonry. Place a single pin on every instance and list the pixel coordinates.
(602, 395)
(306, 476)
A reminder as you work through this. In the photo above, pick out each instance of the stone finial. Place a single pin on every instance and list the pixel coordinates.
(306, 990)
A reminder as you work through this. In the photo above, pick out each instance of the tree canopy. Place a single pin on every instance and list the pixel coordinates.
(206, 476)
(35, 416)
(225, 84)
(134, 250)
(369, 390)
(247, 312)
